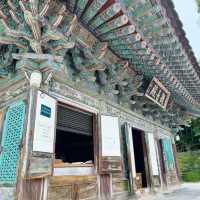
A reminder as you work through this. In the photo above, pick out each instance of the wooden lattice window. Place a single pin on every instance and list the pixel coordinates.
(11, 138)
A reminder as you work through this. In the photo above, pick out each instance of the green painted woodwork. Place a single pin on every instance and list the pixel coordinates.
(49, 34)
(80, 7)
(13, 129)
(113, 34)
(104, 16)
(113, 24)
(23, 28)
(147, 20)
(168, 154)
(6, 60)
(125, 41)
(71, 5)
(93, 9)
(139, 9)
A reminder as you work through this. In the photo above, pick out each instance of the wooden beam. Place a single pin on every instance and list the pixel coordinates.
(38, 57)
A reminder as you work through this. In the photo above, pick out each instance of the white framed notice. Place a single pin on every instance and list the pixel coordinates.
(153, 154)
(110, 136)
(45, 122)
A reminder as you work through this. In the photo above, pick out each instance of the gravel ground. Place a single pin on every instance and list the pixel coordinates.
(188, 191)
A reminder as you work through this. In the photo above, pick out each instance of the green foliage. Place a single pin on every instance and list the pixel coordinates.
(189, 164)
(189, 137)
(196, 126)
(192, 176)
(198, 3)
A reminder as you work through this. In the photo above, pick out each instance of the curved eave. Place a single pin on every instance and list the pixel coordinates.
(105, 20)
(178, 26)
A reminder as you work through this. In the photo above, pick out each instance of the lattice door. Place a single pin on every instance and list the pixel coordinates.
(168, 154)
(12, 134)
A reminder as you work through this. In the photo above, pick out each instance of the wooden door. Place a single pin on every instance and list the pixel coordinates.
(162, 164)
(130, 156)
(146, 160)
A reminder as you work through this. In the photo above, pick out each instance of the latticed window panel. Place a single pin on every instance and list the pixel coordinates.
(11, 138)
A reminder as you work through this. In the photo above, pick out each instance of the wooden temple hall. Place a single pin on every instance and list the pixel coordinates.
(92, 94)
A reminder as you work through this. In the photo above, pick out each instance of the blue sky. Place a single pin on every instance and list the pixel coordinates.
(187, 11)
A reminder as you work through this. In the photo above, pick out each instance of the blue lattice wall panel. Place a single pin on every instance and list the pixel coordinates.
(11, 138)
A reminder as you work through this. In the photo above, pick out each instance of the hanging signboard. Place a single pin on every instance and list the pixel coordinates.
(158, 93)
(45, 122)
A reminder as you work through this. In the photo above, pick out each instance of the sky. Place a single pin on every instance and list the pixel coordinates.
(187, 11)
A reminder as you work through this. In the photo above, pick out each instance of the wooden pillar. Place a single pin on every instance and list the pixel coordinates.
(162, 164)
(105, 186)
(32, 189)
(176, 162)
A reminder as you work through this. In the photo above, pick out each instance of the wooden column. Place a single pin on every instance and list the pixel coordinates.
(105, 186)
(162, 165)
(176, 162)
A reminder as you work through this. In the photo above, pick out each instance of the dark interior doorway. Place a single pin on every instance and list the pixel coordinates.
(72, 147)
(74, 136)
(140, 154)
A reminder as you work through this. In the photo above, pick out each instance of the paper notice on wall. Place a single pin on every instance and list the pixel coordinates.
(110, 136)
(153, 155)
(44, 130)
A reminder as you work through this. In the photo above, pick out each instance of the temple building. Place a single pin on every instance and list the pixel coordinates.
(92, 94)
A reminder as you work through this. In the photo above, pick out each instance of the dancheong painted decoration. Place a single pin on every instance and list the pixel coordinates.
(104, 71)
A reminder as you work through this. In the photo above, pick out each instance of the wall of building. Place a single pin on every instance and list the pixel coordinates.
(119, 183)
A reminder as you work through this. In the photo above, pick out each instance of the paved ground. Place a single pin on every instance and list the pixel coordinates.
(187, 191)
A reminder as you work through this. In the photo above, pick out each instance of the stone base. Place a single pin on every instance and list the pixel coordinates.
(7, 193)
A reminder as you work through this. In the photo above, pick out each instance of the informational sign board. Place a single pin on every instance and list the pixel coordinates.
(110, 136)
(153, 155)
(45, 122)
(158, 93)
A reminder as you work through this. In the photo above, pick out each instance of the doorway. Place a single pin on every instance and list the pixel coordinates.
(75, 153)
(141, 159)
(162, 162)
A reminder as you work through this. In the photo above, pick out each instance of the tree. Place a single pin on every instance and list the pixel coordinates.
(198, 3)
(196, 126)
(189, 137)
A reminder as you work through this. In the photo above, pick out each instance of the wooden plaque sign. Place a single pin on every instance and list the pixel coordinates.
(158, 93)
